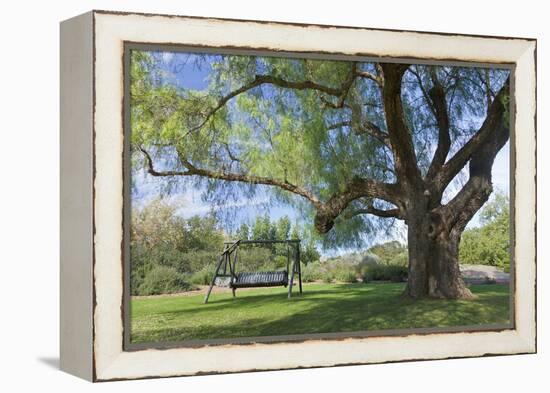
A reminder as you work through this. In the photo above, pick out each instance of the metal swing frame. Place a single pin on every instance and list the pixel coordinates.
(227, 263)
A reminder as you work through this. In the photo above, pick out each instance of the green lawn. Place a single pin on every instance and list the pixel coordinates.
(322, 308)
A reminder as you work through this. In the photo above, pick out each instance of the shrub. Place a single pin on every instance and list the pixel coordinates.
(329, 271)
(398, 273)
(163, 279)
(253, 258)
(489, 244)
(203, 276)
(312, 272)
(380, 272)
(197, 260)
(345, 275)
(369, 274)
(401, 259)
(327, 277)
(390, 253)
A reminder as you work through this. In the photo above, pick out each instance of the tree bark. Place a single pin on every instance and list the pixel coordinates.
(433, 265)
(433, 260)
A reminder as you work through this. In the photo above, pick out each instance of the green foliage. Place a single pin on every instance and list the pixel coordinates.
(498, 208)
(309, 253)
(256, 258)
(390, 253)
(164, 246)
(380, 272)
(163, 279)
(243, 233)
(299, 136)
(263, 228)
(355, 258)
(345, 275)
(331, 270)
(312, 272)
(328, 277)
(490, 243)
(203, 276)
(282, 228)
(382, 262)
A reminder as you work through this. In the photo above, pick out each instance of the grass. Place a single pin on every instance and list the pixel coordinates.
(322, 308)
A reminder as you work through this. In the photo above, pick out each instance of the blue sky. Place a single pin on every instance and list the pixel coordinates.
(180, 69)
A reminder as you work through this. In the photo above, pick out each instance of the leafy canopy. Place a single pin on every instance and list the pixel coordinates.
(256, 116)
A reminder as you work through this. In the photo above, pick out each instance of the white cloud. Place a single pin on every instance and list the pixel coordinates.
(167, 56)
(193, 207)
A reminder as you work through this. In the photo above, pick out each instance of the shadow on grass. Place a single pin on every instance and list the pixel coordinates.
(340, 308)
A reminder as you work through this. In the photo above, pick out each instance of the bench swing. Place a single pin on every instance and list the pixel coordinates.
(226, 274)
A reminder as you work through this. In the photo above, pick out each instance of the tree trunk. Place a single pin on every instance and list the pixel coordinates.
(433, 260)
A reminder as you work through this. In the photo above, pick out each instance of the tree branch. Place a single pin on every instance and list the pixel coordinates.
(151, 169)
(344, 89)
(396, 213)
(369, 128)
(339, 92)
(368, 75)
(490, 127)
(461, 209)
(364, 128)
(355, 189)
(230, 153)
(437, 96)
(339, 124)
(326, 212)
(400, 137)
(230, 176)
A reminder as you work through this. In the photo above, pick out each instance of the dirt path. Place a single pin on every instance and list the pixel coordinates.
(476, 274)
(472, 274)
(202, 289)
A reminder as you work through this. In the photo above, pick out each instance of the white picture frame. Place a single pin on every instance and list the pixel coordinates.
(92, 194)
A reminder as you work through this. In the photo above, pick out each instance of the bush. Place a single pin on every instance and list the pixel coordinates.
(489, 244)
(279, 262)
(330, 271)
(398, 273)
(203, 276)
(197, 260)
(401, 259)
(344, 272)
(345, 275)
(255, 258)
(312, 272)
(328, 277)
(390, 253)
(380, 272)
(163, 279)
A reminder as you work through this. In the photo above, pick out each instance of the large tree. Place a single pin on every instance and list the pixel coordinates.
(352, 143)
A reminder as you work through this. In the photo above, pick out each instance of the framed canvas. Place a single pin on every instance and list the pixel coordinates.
(248, 195)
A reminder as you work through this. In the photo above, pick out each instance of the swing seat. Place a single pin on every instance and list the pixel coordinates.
(223, 281)
(226, 274)
(260, 279)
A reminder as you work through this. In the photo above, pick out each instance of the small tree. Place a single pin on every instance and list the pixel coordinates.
(283, 228)
(392, 252)
(243, 233)
(489, 244)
